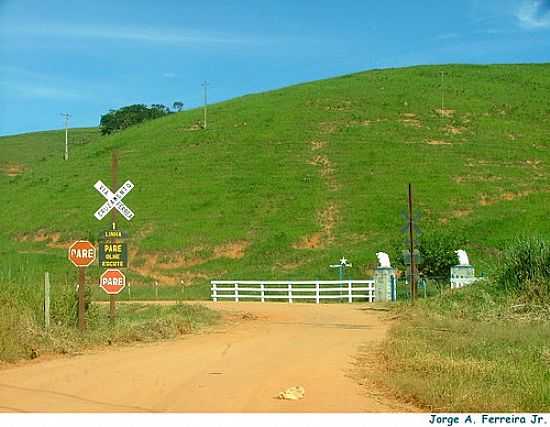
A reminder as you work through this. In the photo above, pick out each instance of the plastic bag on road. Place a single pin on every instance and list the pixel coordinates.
(292, 393)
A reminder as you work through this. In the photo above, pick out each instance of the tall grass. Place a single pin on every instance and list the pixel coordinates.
(525, 268)
(22, 328)
(481, 348)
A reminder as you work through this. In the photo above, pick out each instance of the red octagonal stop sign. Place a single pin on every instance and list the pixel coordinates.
(112, 281)
(82, 253)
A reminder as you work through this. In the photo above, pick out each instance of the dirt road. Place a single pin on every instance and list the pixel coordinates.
(240, 366)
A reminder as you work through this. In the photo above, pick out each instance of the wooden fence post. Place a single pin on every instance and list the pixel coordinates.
(47, 301)
(350, 295)
(371, 291)
(236, 292)
(214, 292)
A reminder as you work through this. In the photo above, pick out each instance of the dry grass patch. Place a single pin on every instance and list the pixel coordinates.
(461, 365)
(326, 171)
(445, 112)
(313, 241)
(12, 169)
(485, 200)
(327, 219)
(438, 142)
(409, 119)
(461, 213)
(452, 130)
(52, 239)
(318, 145)
(232, 250)
(328, 127)
(164, 267)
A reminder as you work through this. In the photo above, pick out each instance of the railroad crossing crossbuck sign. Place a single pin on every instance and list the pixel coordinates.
(114, 200)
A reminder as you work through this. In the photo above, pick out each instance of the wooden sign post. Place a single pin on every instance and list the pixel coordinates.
(113, 252)
(82, 254)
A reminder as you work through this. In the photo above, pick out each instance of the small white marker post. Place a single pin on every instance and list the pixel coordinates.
(47, 301)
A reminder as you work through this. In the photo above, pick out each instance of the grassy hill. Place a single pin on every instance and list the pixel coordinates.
(283, 183)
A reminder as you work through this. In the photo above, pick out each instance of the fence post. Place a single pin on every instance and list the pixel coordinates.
(236, 292)
(350, 295)
(371, 291)
(47, 301)
(262, 292)
(290, 292)
(317, 292)
(156, 290)
(214, 292)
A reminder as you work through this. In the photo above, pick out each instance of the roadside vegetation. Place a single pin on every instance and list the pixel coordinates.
(22, 326)
(482, 348)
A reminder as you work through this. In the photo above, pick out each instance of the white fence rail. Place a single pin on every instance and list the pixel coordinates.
(316, 290)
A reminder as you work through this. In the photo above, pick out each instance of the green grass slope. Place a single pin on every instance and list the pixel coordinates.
(283, 183)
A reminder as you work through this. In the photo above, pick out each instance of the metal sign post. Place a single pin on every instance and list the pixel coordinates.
(341, 269)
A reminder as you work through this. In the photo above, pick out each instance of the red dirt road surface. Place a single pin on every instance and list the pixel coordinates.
(240, 366)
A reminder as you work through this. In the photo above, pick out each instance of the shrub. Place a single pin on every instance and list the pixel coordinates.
(17, 332)
(525, 267)
(437, 249)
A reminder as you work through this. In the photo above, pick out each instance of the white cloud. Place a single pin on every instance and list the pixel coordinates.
(150, 35)
(447, 36)
(534, 14)
(31, 90)
(169, 75)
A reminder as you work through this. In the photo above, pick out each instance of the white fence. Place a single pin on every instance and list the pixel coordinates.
(316, 290)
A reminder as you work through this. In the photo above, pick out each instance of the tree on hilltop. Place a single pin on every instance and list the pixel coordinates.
(130, 115)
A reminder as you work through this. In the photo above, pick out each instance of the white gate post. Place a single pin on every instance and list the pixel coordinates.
(350, 295)
(262, 292)
(290, 292)
(317, 292)
(214, 292)
(236, 292)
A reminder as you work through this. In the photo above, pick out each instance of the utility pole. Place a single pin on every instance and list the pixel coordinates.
(442, 94)
(66, 115)
(205, 86)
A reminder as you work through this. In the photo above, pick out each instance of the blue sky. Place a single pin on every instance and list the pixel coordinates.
(86, 57)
